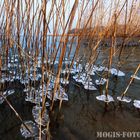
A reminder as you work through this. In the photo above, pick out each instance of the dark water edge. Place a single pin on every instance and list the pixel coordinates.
(9, 123)
(79, 119)
(82, 116)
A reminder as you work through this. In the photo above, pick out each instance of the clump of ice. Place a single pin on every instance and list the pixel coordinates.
(40, 119)
(10, 92)
(1, 99)
(59, 95)
(64, 81)
(116, 72)
(31, 126)
(101, 68)
(124, 99)
(137, 103)
(90, 87)
(105, 98)
(135, 77)
(102, 81)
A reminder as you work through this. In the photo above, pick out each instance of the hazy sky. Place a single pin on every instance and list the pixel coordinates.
(107, 6)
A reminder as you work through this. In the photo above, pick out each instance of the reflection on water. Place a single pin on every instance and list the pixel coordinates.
(32, 130)
(82, 116)
(9, 123)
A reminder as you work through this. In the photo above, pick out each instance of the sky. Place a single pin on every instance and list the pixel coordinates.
(106, 8)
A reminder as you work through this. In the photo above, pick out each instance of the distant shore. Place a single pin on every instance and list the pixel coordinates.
(88, 35)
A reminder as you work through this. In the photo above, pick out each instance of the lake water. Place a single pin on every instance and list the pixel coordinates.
(82, 116)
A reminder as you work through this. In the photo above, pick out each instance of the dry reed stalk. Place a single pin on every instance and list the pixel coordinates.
(16, 113)
(19, 19)
(80, 37)
(111, 54)
(70, 20)
(78, 44)
(131, 80)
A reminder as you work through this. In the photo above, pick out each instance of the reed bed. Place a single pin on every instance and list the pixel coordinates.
(41, 39)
